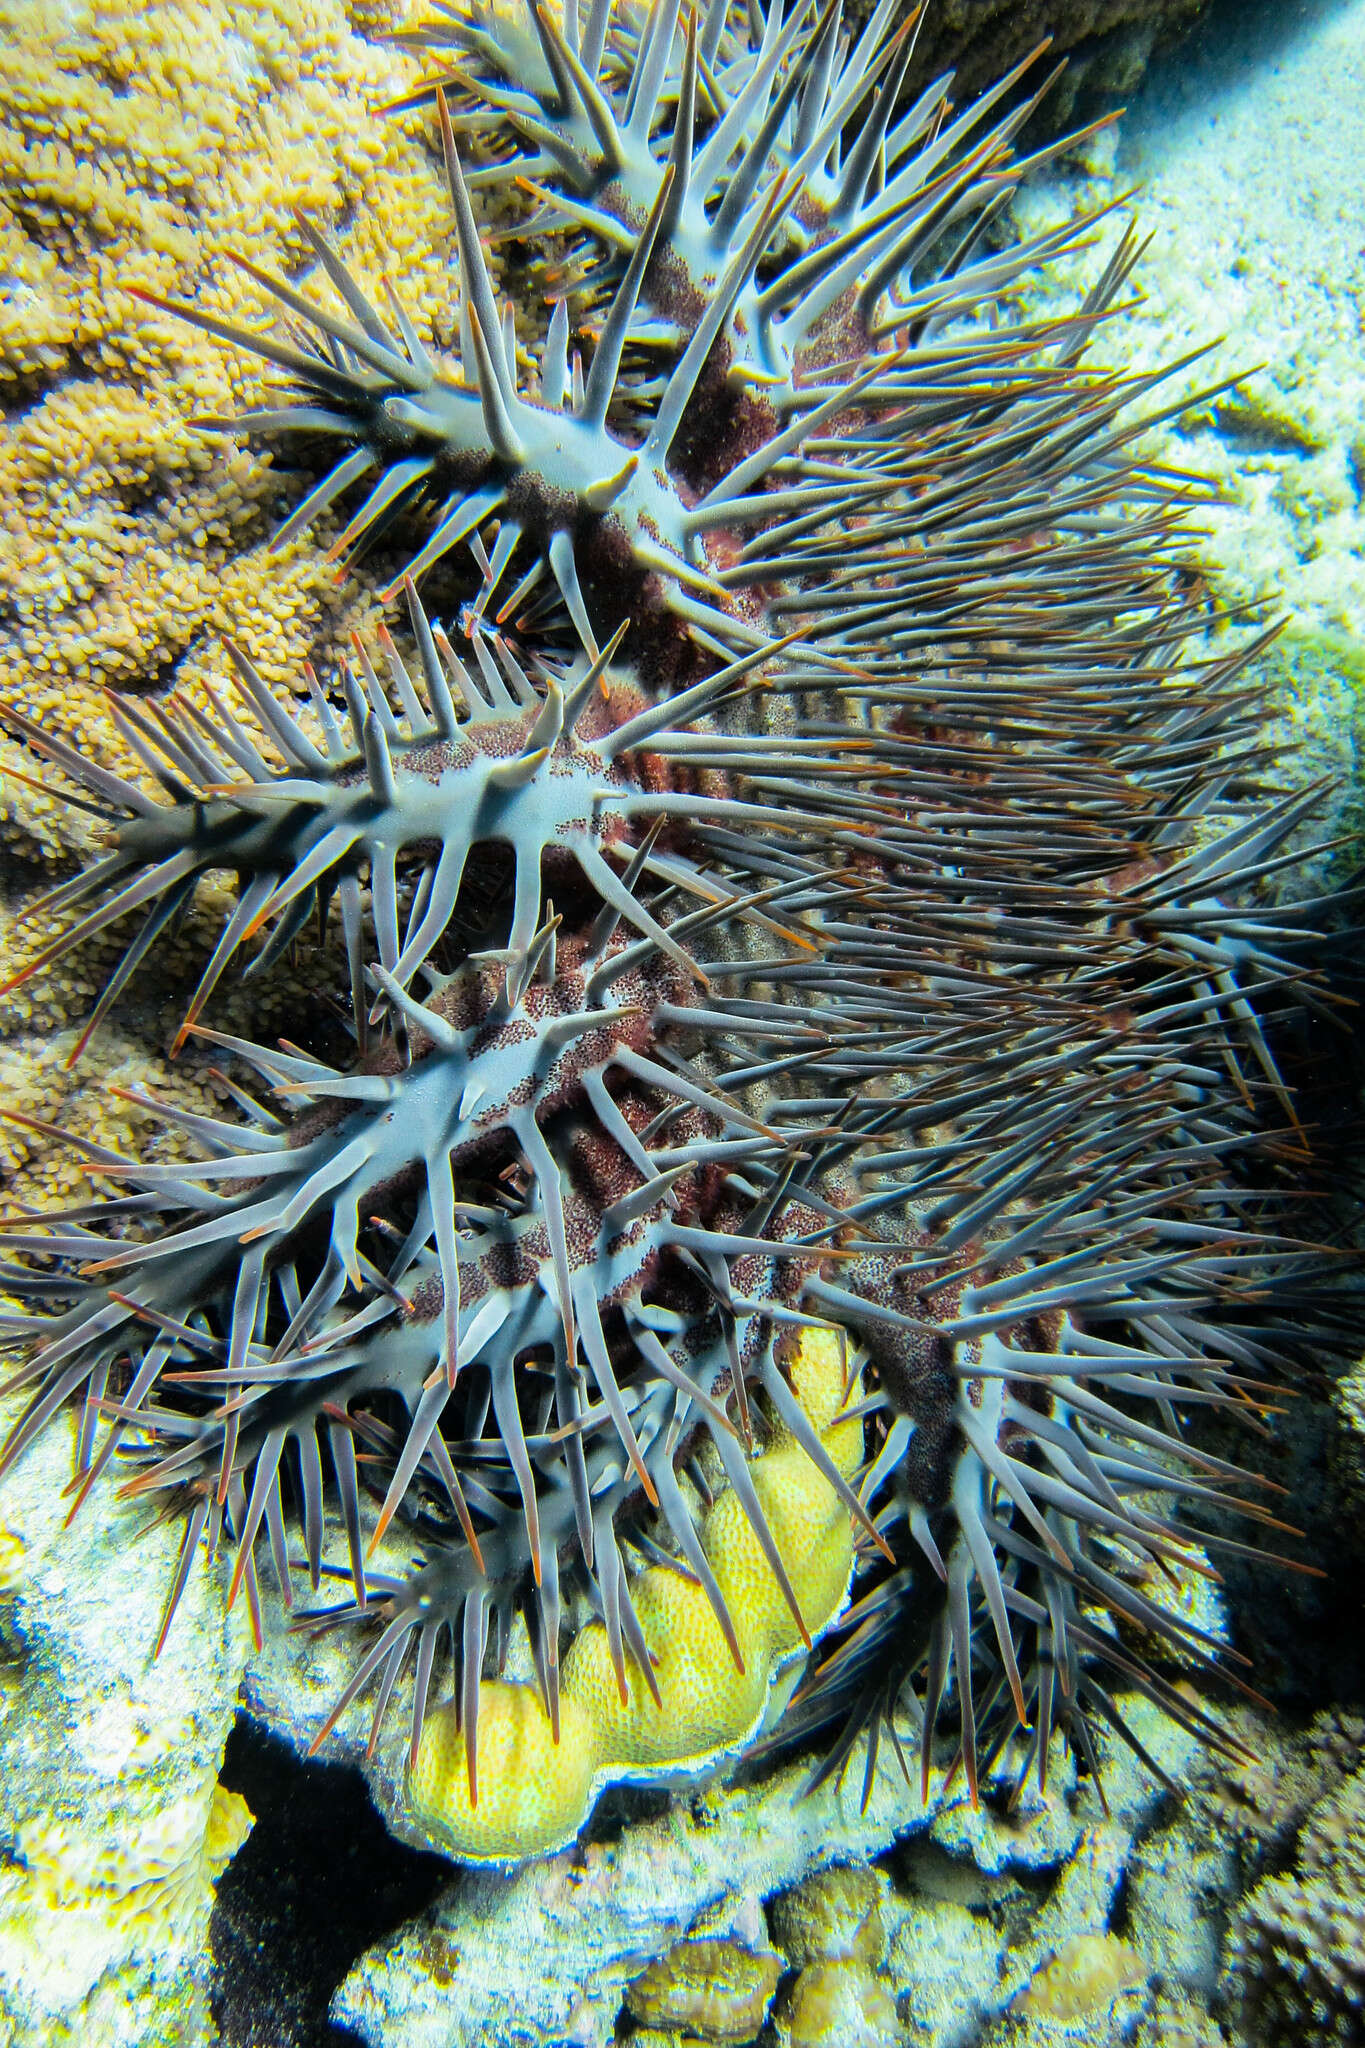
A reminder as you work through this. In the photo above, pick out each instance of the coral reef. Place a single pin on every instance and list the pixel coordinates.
(704, 1700)
(819, 810)
(969, 1902)
(116, 1825)
(714, 1990)
(1174, 2021)
(1297, 1948)
(1259, 1797)
(137, 142)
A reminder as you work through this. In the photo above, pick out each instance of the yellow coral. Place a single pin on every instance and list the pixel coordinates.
(533, 1793)
(156, 1882)
(140, 145)
(36, 1082)
(12, 1549)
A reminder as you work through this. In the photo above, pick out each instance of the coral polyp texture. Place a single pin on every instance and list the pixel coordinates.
(781, 1162)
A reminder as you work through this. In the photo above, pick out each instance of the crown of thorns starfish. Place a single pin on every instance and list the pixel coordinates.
(825, 717)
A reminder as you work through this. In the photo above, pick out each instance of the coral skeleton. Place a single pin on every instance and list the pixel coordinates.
(805, 929)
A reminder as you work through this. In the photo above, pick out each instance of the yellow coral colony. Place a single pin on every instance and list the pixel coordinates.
(141, 143)
(533, 1794)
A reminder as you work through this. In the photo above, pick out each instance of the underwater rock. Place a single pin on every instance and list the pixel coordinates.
(1107, 44)
(712, 1989)
(1079, 1984)
(838, 2003)
(838, 1912)
(109, 1802)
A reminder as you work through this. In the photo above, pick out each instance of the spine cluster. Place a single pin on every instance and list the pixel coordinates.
(878, 954)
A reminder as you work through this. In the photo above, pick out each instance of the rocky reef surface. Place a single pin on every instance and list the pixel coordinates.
(114, 1823)
(964, 1916)
(1241, 153)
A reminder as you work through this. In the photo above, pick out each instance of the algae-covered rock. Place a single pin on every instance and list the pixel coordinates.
(115, 1825)
(1003, 1957)
(713, 1990)
(838, 2003)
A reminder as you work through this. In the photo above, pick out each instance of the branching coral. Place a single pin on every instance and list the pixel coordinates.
(1298, 1947)
(832, 858)
(136, 142)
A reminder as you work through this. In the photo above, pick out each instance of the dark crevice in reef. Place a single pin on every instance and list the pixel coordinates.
(318, 1881)
(1304, 1634)
(1240, 36)
(1304, 1630)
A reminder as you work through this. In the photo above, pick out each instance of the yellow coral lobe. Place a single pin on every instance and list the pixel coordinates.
(706, 1705)
(530, 1791)
(534, 1794)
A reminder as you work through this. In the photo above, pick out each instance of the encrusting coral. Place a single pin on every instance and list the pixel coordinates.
(837, 1913)
(1081, 1982)
(152, 1885)
(827, 1131)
